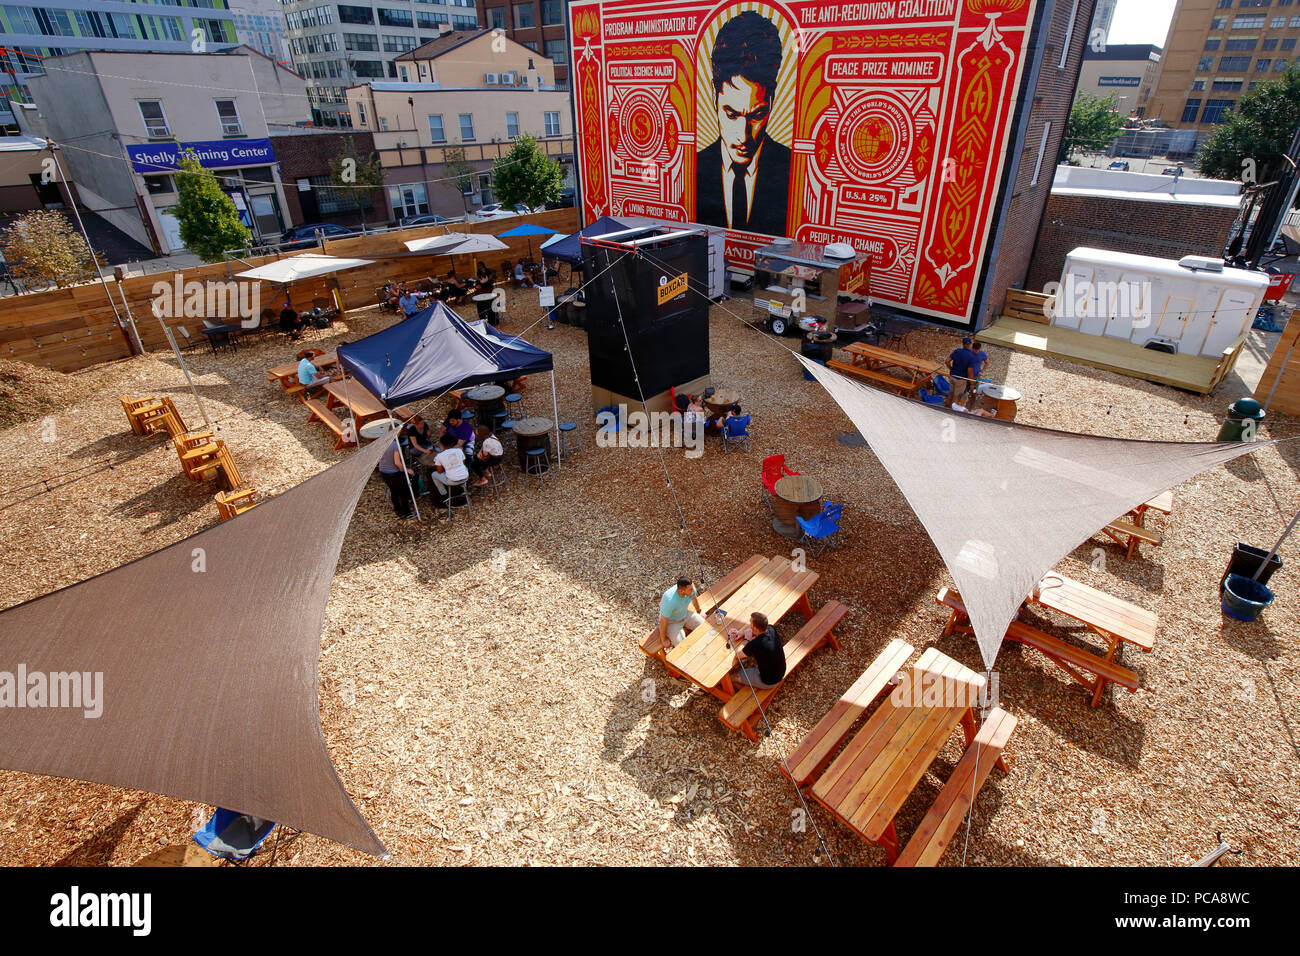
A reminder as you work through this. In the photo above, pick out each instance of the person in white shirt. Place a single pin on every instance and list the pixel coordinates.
(489, 454)
(449, 465)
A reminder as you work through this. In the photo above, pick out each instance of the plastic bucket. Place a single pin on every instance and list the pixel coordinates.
(1246, 561)
(1244, 599)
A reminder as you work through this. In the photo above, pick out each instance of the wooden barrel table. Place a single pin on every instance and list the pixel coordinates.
(1004, 400)
(795, 495)
(721, 400)
(533, 433)
(485, 399)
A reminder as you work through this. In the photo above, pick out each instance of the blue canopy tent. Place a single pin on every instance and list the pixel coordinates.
(569, 249)
(436, 350)
(529, 230)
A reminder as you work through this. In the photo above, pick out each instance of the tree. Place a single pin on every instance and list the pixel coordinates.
(526, 175)
(1251, 144)
(44, 248)
(459, 173)
(1094, 123)
(208, 218)
(356, 175)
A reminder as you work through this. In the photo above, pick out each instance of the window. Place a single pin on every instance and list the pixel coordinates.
(1198, 85)
(329, 200)
(1207, 63)
(1234, 63)
(464, 23)
(398, 44)
(1241, 43)
(552, 124)
(361, 113)
(1277, 23)
(383, 124)
(435, 129)
(229, 116)
(429, 21)
(531, 44)
(1261, 66)
(512, 125)
(1192, 108)
(1227, 85)
(1215, 110)
(498, 18)
(557, 51)
(524, 16)
(348, 14)
(1251, 22)
(361, 41)
(1268, 43)
(1212, 43)
(1218, 23)
(155, 185)
(467, 127)
(552, 13)
(395, 18)
(1288, 43)
(1279, 66)
(369, 68)
(409, 200)
(155, 124)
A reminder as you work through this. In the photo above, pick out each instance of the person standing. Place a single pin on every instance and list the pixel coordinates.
(963, 369)
(392, 468)
(679, 608)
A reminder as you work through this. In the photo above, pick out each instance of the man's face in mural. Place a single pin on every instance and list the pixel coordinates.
(743, 110)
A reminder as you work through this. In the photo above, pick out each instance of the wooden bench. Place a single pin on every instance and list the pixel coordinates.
(652, 645)
(872, 377)
(944, 819)
(742, 711)
(1130, 535)
(232, 503)
(1069, 658)
(811, 756)
(319, 413)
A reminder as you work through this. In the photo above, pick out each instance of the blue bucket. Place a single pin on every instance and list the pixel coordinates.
(1244, 599)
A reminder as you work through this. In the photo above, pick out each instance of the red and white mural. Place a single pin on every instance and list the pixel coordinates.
(884, 124)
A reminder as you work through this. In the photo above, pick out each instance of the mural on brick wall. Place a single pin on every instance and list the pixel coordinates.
(882, 124)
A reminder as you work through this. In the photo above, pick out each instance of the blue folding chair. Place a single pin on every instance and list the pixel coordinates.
(233, 836)
(735, 430)
(820, 530)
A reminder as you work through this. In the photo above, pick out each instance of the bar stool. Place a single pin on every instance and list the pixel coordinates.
(498, 420)
(458, 497)
(515, 406)
(497, 479)
(537, 463)
(569, 440)
(507, 430)
(467, 415)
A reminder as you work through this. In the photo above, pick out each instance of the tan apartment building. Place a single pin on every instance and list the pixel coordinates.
(470, 92)
(1126, 70)
(537, 24)
(1217, 50)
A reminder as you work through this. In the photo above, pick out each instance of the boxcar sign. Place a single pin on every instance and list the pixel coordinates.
(881, 124)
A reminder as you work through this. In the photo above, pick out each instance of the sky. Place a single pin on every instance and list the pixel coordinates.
(1141, 21)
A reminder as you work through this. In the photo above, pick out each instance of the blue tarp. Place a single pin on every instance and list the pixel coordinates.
(435, 350)
(569, 249)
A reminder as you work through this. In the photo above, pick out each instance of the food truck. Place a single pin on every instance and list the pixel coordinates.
(803, 287)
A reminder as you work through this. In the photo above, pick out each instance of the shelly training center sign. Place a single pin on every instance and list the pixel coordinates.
(882, 124)
(215, 154)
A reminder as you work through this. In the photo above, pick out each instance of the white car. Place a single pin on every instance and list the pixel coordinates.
(497, 211)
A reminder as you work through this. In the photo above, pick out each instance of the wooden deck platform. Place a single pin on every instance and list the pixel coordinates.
(1198, 374)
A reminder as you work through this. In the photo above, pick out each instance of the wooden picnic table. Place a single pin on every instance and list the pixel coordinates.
(1113, 619)
(705, 656)
(1163, 503)
(914, 371)
(869, 781)
(355, 397)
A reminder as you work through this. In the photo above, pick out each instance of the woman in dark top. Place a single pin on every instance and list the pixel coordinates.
(761, 657)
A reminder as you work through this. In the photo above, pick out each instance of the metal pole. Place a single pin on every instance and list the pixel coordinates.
(185, 368)
(1272, 554)
(556, 409)
(130, 318)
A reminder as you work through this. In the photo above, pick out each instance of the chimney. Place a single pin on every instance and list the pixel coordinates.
(534, 81)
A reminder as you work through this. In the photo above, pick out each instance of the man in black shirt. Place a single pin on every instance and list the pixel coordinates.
(290, 323)
(761, 657)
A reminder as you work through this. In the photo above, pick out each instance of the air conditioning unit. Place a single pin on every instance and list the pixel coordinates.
(508, 78)
(1201, 264)
(491, 78)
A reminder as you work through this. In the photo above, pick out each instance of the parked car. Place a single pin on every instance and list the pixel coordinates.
(1173, 170)
(1120, 166)
(497, 211)
(305, 235)
(429, 220)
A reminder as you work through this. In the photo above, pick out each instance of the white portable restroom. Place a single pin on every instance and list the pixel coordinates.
(1195, 305)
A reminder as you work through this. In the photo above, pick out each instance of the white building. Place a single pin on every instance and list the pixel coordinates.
(259, 24)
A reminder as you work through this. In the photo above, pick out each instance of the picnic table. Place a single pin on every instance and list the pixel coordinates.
(286, 375)
(896, 371)
(705, 656)
(357, 399)
(1163, 503)
(866, 785)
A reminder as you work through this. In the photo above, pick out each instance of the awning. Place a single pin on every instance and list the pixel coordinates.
(303, 266)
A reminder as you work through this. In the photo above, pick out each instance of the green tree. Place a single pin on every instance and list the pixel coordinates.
(526, 175)
(356, 175)
(1252, 142)
(459, 173)
(44, 248)
(208, 218)
(1094, 123)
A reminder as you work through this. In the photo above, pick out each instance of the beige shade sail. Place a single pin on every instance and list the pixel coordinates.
(307, 265)
(208, 653)
(1003, 502)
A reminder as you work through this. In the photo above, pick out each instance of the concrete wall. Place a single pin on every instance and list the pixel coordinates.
(282, 92)
(303, 155)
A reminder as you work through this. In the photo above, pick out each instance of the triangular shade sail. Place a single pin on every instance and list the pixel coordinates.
(1002, 502)
(435, 350)
(303, 266)
(208, 652)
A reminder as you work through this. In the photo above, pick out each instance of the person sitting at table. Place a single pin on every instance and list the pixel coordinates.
(449, 466)
(760, 656)
(420, 435)
(522, 281)
(715, 424)
(459, 429)
(393, 470)
(309, 376)
(679, 608)
(393, 293)
(489, 455)
(484, 274)
(694, 417)
(291, 323)
(408, 303)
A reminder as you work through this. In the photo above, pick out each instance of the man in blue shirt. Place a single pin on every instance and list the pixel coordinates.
(676, 613)
(964, 367)
(309, 376)
(409, 303)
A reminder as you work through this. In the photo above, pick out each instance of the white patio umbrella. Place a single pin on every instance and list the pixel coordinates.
(305, 266)
(436, 243)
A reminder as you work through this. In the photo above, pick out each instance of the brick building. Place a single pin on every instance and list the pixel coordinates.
(537, 24)
(304, 155)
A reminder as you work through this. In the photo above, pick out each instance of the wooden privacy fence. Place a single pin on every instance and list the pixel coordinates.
(1286, 395)
(74, 328)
